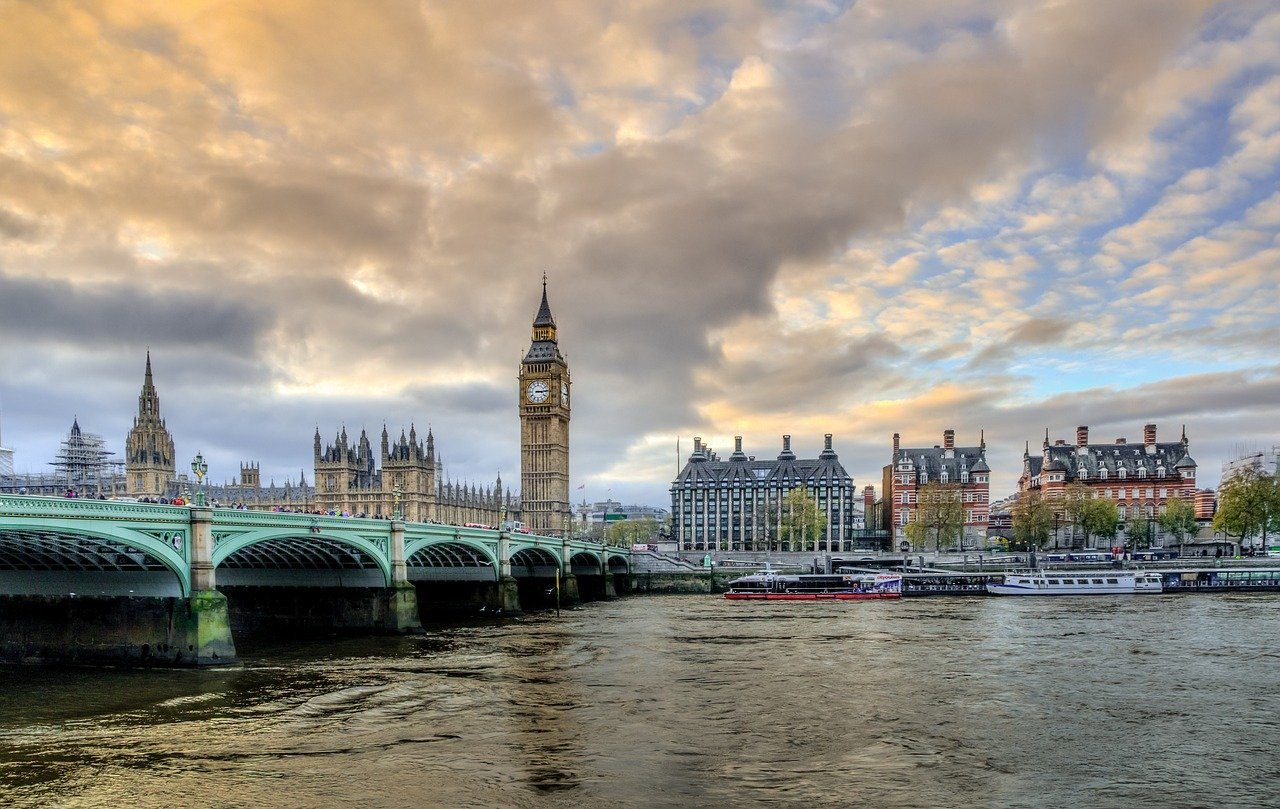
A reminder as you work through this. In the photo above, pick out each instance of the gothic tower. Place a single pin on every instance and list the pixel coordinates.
(149, 457)
(544, 428)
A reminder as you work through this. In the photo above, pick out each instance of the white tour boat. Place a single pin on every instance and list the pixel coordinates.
(1076, 583)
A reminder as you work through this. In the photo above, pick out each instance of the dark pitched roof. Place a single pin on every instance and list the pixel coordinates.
(1092, 458)
(932, 460)
(704, 467)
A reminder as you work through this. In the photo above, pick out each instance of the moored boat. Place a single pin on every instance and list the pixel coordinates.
(1076, 583)
(769, 585)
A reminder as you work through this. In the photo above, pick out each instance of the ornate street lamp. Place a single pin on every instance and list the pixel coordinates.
(396, 494)
(199, 468)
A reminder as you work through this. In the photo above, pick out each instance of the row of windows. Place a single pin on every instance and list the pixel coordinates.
(773, 484)
(906, 515)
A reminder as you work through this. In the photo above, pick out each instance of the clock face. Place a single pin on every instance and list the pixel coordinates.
(538, 391)
(564, 392)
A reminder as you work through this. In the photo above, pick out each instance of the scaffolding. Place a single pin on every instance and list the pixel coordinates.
(84, 464)
(6, 461)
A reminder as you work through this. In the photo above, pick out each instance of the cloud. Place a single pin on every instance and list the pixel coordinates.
(752, 216)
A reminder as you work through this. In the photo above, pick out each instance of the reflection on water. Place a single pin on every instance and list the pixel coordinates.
(690, 700)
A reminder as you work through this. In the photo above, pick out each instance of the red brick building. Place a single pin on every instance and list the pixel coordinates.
(1137, 476)
(913, 467)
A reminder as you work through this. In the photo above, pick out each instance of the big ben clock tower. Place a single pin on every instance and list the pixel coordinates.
(544, 428)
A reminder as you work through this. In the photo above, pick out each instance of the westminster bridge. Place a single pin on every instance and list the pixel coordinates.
(97, 581)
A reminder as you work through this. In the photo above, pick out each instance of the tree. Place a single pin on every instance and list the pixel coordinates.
(765, 525)
(1101, 518)
(1032, 521)
(1137, 529)
(938, 516)
(625, 533)
(1179, 519)
(802, 521)
(1248, 506)
(1075, 504)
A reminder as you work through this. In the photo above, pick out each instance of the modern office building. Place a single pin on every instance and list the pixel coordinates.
(737, 503)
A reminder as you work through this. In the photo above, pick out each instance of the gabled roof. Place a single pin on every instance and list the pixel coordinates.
(932, 460)
(1091, 459)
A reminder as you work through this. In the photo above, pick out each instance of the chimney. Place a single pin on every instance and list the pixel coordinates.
(1059, 442)
(895, 443)
(826, 442)
(697, 444)
(1122, 441)
(1149, 434)
(737, 443)
(1082, 436)
(786, 443)
(948, 439)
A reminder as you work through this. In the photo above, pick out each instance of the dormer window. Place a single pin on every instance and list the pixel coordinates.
(1084, 474)
(964, 477)
(1123, 473)
(1142, 471)
(944, 477)
(1102, 473)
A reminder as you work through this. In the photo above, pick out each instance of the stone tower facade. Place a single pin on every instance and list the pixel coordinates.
(544, 428)
(149, 463)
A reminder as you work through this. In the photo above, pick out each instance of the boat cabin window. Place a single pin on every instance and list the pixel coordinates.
(1113, 581)
(1097, 581)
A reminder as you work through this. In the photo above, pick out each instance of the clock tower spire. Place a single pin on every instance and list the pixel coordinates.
(544, 427)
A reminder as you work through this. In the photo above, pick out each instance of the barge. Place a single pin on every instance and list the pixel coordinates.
(768, 585)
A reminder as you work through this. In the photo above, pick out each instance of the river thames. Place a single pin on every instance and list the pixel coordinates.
(688, 700)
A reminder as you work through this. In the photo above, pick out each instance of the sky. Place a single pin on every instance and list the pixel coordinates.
(757, 218)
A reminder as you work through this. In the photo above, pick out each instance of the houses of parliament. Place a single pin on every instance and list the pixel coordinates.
(404, 477)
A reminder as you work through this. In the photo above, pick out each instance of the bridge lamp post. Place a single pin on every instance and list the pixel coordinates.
(199, 468)
(396, 494)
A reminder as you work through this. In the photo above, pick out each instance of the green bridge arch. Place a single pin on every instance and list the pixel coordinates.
(174, 559)
(227, 547)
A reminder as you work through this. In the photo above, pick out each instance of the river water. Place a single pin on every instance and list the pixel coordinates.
(690, 700)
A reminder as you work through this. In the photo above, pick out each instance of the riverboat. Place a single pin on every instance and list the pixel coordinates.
(1075, 583)
(768, 585)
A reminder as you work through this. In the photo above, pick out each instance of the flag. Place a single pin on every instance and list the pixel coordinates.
(583, 486)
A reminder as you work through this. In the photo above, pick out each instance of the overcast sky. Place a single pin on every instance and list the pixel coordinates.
(757, 217)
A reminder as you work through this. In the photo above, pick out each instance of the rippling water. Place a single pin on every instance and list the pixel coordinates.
(691, 700)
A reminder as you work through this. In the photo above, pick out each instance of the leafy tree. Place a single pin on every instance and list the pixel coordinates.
(625, 533)
(1075, 504)
(1179, 519)
(1248, 506)
(802, 521)
(939, 515)
(1101, 518)
(1137, 529)
(1032, 521)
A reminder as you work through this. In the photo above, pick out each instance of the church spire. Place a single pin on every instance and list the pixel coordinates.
(544, 317)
